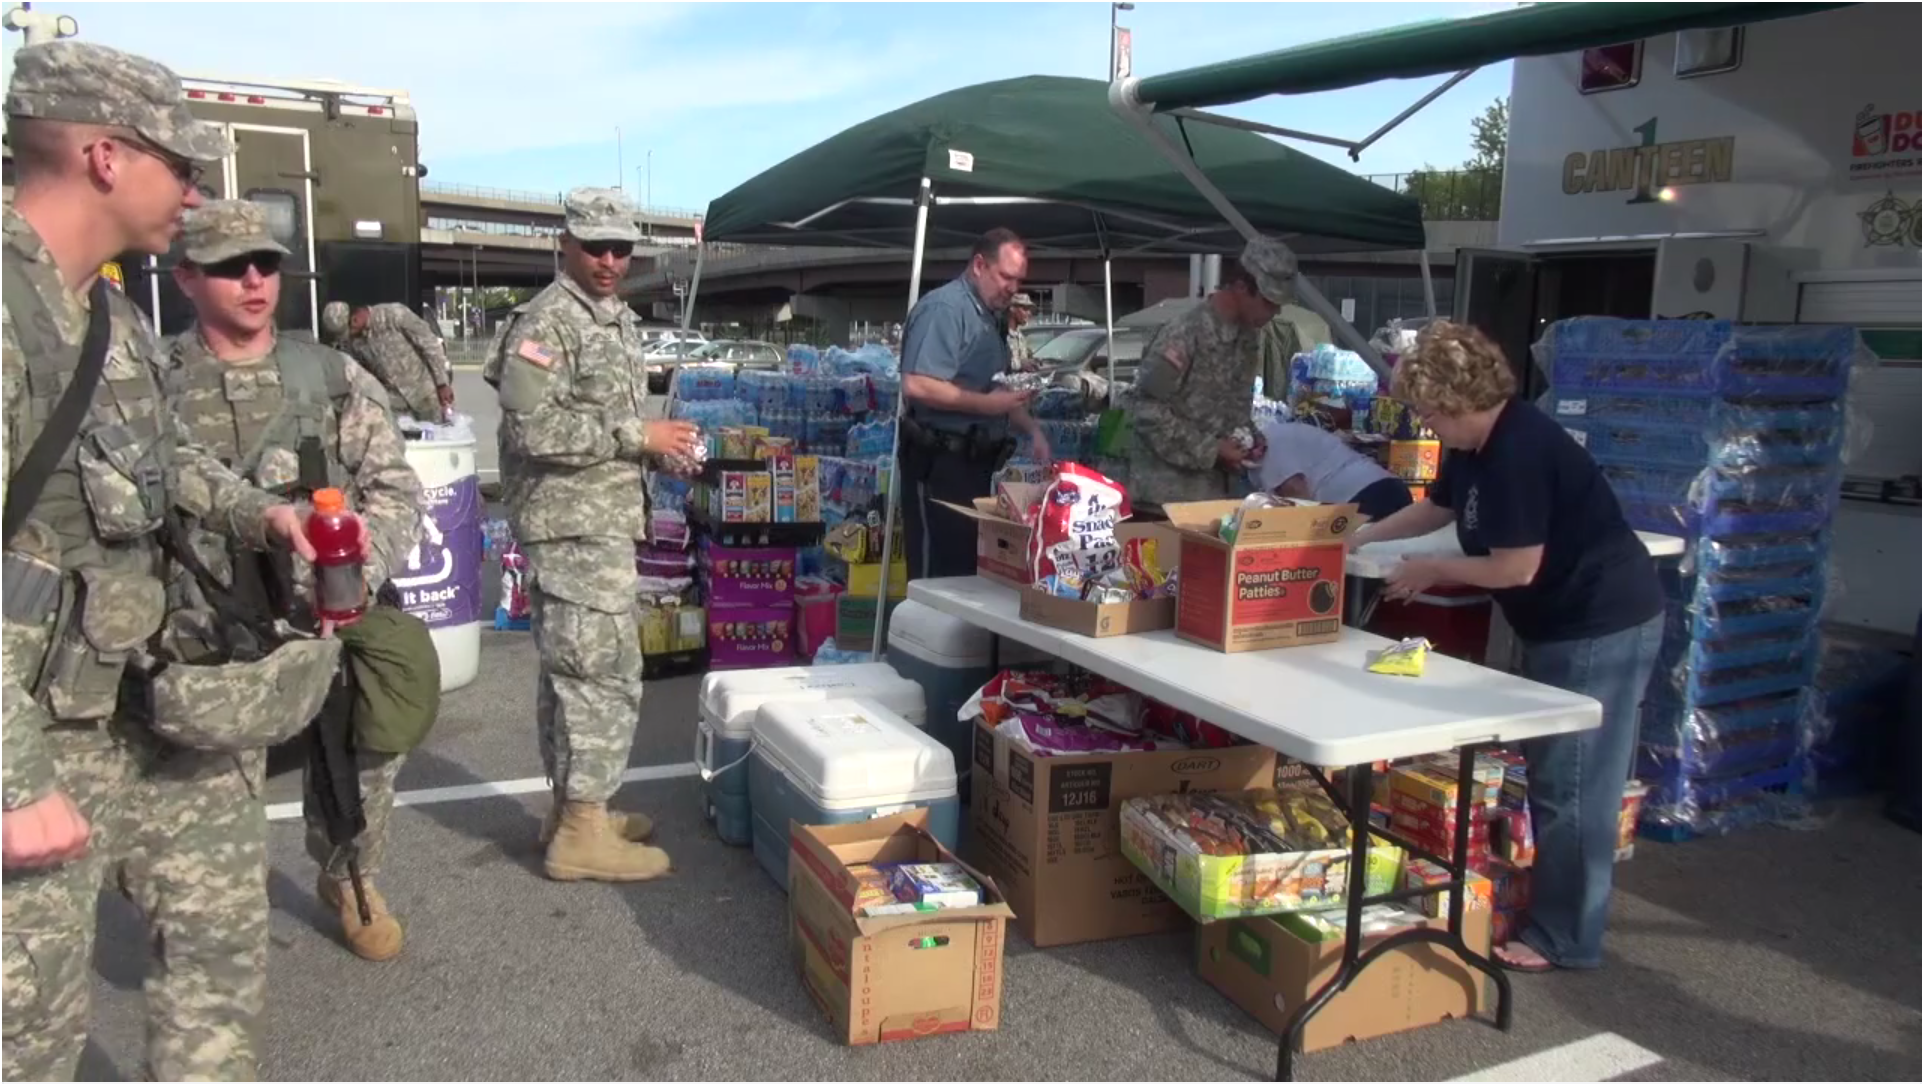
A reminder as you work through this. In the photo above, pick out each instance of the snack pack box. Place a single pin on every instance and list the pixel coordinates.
(934, 884)
(1478, 894)
(751, 636)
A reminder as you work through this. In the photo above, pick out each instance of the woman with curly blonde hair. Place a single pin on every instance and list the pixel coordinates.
(1543, 533)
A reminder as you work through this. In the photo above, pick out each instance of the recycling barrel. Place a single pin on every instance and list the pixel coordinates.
(440, 580)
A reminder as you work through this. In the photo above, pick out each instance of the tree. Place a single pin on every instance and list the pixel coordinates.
(1472, 192)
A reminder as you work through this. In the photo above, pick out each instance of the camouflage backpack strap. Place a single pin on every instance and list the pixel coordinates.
(311, 377)
(38, 335)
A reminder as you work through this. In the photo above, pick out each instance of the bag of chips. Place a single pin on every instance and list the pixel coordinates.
(1072, 539)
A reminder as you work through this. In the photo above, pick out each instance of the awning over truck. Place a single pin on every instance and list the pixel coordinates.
(1452, 45)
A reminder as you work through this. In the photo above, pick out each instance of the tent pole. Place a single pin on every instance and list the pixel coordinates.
(1107, 290)
(1428, 283)
(1311, 298)
(879, 649)
(694, 290)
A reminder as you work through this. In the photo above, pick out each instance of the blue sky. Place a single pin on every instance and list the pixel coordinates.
(529, 96)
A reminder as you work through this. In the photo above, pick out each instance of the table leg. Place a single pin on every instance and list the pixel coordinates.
(1359, 598)
(994, 654)
(1360, 793)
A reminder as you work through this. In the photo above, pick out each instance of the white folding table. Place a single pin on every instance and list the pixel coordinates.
(1320, 705)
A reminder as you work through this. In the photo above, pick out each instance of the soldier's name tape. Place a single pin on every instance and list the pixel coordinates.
(289, 811)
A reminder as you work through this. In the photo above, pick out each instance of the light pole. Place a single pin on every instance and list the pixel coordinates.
(650, 193)
(620, 167)
(1114, 16)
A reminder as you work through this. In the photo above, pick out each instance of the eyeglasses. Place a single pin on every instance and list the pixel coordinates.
(620, 250)
(187, 172)
(267, 263)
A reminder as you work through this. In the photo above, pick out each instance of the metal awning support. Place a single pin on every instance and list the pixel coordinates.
(693, 289)
(1311, 298)
(1353, 147)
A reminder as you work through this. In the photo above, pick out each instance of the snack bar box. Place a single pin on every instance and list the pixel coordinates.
(729, 702)
(950, 659)
(828, 762)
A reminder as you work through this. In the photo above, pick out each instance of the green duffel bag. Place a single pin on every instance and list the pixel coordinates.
(396, 676)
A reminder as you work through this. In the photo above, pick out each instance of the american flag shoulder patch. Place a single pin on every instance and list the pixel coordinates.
(1176, 358)
(536, 353)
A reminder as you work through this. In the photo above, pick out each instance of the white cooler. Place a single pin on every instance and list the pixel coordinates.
(729, 701)
(841, 762)
(950, 660)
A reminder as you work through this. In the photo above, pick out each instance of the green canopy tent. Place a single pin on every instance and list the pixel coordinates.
(1422, 49)
(1048, 158)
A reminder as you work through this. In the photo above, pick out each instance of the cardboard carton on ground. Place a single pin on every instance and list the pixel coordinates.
(1278, 585)
(1109, 618)
(899, 976)
(1049, 830)
(1271, 971)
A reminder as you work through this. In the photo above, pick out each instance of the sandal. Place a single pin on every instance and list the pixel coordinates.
(1539, 965)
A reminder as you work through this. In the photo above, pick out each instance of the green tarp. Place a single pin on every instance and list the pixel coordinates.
(1061, 168)
(1450, 45)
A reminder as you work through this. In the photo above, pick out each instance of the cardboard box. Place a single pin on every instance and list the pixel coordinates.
(760, 497)
(740, 576)
(1278, 585)
(864, 579)
(1111, 618)
(781, 467)
(807, 489)
(750, 637)
(1211, 887)
(666, 630)
(899, 976)
(1001, 541)
(1415, 460)
(1271, 972)
(1477, 895)
(1049, 830)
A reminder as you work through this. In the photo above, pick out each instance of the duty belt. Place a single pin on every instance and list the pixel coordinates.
(974, 443)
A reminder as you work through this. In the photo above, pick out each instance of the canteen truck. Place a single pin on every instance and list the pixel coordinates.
(1768, 174)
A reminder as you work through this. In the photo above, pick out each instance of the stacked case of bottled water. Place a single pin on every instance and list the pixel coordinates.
(1732, 437)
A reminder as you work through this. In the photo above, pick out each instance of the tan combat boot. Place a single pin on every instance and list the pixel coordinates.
(378, 940)
(633, 827)
(588, 847)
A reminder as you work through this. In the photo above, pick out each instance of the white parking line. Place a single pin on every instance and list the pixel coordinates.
(1598, 1057)
(286, 811)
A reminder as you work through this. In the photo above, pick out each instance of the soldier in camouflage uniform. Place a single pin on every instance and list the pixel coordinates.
(106, 157)
(1197, 384)
(250, 396)
(574, 445)
(1020, 351)
(400, 349)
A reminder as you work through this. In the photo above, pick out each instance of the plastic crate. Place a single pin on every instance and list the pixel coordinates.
(1742, 552)
(1701, 358)
(1752, 437)
(1716, 619)
(1664, 713)
(1697, 754)
(1681, 806)
(1682, 650)
(1733, 683)
(1723, 503)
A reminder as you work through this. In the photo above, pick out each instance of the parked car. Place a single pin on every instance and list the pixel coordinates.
(1085, 350)
(741, 353)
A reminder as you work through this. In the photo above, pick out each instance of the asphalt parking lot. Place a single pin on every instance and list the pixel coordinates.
(1773, 955)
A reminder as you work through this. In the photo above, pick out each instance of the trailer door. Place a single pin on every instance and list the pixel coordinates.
(1495, 291)
(274, 167)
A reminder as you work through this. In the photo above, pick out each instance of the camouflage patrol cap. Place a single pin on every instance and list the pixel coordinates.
(82, 83)
(334, 318)
(1022, 301)
(601, 214)
(1273, 266)
(226, 228)
(244, 705)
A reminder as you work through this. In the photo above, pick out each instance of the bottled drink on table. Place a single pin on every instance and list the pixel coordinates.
(340, 587)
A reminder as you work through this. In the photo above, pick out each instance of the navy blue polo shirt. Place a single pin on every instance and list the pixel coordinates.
(1532, 485)
(951, 335)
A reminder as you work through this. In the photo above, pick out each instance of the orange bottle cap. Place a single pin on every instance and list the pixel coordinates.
(329, 501)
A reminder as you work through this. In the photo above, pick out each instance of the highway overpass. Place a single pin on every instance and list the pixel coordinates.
(473, 235)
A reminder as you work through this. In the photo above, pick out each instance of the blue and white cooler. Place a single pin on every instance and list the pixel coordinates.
(951, 660)
(841, 762)
(729, 702)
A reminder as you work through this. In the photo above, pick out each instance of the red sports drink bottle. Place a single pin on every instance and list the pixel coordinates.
(340, 587)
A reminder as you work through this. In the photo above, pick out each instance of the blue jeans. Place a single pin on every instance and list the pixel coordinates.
(1575, 786)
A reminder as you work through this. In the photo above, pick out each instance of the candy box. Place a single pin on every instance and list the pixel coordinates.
(1278, 584)
(750, 637)
(934, 884)
(1415, 460)
(1478, 894)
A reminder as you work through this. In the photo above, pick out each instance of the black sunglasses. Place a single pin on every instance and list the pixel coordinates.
(620, 250)
(188, 173)
(235, 267)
